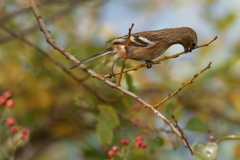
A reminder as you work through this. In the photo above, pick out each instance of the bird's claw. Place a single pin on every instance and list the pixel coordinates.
(149, 64)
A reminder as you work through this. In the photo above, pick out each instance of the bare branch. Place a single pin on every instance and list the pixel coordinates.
(97, 76)
(183, 137)
(57, 63)
(184, 85)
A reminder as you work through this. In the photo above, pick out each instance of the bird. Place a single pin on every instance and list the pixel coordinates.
(147, 45)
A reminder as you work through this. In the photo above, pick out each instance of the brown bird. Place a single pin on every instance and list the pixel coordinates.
(148, 45)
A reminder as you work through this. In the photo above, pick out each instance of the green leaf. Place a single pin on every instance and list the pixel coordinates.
(156, 143)
(178, 112)
(129, 82)
(173, 109)
(231, 137)
(85, 100)
(107, 121)
(108, 115)
(104, 133)
(205, 150)
(198, 125)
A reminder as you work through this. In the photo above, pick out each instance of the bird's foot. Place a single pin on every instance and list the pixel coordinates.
(149, 64)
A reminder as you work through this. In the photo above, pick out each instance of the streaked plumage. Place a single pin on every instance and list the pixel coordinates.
(148, 45)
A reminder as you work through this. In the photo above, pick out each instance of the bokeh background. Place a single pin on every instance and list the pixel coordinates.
(62, 114)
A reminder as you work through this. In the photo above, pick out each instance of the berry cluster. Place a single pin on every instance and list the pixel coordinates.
(5, 99)
(111, 153)
(139, 143)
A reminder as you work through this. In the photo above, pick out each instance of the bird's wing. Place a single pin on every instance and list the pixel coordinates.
(136, 40)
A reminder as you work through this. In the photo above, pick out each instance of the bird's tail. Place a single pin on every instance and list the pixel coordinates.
(107, 51)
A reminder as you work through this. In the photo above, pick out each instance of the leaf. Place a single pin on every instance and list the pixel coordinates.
(108, 115)
(156, 143)
(107, 121)
(230, 137)
(85, 100)
(198, 125)
(104, 133)
(173, 109)
(205, 150)
(129, 82)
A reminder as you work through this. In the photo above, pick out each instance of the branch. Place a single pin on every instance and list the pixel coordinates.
(95, 75)
(183, 137)
(160, 60)
(184, 85)
(57, 63)
(126, 54)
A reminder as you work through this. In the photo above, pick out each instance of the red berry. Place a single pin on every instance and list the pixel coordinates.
(124, 141)
(135, 121)
(23, 137)
(7, 94)
(115, 148)
(2, 100)
(25, 131)
(138, 144)
(136, 107)
(143, 145)
(10, 103)
(139, 139)
(111, 153)
(10, 121)
(127, 142)
(14, 129)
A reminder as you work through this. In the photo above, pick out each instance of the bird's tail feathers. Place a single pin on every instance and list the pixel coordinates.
(91, 58)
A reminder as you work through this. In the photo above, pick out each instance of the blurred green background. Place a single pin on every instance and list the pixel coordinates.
(62, 114)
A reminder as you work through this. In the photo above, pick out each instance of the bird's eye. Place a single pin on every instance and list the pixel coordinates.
(193, 44)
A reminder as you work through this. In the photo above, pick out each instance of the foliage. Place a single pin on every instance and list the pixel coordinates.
(91, 117)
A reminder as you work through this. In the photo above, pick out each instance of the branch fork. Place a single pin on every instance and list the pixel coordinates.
(177, 131)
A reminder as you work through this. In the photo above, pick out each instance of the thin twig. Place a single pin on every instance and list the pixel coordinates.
(184, 85)
(160, 60)
(126, 54)
(183, 137)
(97, 76)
